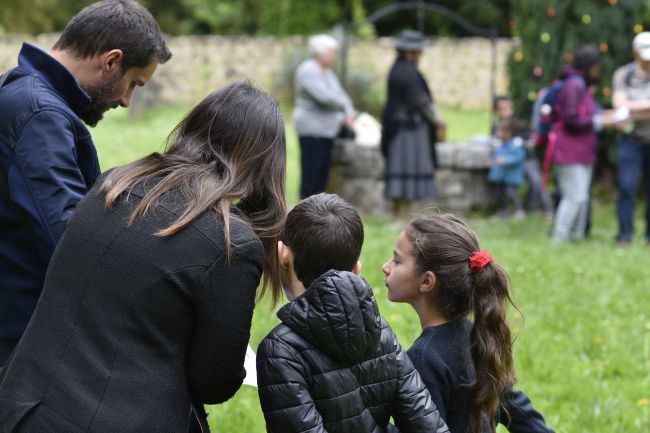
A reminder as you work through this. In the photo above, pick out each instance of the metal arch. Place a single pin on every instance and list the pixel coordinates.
(433, 7)
(491, 32)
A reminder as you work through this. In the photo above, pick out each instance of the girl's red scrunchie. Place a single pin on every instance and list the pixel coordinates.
(479, 260)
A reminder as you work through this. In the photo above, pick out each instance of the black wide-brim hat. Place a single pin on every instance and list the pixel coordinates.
(410, 40)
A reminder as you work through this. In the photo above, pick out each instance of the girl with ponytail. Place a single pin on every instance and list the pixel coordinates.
(439, 269)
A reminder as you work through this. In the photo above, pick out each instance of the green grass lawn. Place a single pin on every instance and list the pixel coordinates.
(583, 349)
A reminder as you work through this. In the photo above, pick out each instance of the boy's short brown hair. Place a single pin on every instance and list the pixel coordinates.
(324, 232)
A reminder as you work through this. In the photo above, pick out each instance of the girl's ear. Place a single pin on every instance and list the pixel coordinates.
(427, 282)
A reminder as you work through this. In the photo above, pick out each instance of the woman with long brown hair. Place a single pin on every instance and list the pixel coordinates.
(439, 269)
(147, 305)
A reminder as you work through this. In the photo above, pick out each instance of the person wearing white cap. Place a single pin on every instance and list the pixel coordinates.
(631, 84)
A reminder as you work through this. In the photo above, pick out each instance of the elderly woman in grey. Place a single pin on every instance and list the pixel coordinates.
(322, 107)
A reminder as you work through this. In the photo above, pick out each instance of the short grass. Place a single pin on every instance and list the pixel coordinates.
(583, 350)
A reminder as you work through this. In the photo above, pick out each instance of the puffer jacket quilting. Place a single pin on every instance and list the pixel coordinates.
(334, 365)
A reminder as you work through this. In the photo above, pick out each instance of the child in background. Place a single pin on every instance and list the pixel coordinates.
(502, 109)
(334, 364)
(439, 269)
(507, 167)
(536, 195)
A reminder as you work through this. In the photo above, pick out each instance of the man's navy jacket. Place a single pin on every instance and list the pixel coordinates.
(50, 162)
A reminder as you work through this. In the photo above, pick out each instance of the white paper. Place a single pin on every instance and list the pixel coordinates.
(367, 130)
(621, 114)
(250, 367)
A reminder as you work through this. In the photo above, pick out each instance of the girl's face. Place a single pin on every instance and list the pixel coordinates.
(401, 274)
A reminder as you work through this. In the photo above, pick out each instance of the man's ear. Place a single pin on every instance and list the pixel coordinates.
(357, 268)
(111, 61)
(285, 256)
(428, 282)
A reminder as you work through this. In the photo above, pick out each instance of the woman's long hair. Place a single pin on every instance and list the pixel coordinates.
(229, 150)
(443, 245)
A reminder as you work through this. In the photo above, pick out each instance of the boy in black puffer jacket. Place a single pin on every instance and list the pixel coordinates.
(334, 365)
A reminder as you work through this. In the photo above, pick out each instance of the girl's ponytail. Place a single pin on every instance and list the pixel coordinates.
(468, 281)
(490, 344)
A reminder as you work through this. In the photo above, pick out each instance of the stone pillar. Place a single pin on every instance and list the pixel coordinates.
(461, 177)
(357, 175)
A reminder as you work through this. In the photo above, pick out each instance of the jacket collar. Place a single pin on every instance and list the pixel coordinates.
(49, 70)
(338, 314)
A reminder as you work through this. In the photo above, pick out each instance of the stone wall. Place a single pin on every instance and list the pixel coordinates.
(458, 70)
(357, 175)
(461, 177)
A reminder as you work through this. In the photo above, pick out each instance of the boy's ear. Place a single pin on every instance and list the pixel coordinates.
(284, 255)
(428, 282)
(357, 268)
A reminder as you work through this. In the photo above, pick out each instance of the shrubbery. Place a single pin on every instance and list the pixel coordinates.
(549, 33)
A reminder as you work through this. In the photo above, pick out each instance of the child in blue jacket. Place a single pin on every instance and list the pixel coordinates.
(507, 167)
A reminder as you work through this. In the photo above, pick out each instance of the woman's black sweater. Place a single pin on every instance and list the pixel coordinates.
(134, 331)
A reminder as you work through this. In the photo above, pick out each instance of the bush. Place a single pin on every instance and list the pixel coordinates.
(366, 94)
(282, 86)
(550, 32)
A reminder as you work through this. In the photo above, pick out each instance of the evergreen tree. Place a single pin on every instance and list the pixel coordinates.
(550, 31)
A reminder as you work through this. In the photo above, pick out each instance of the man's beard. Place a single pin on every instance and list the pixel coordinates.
(99, 102)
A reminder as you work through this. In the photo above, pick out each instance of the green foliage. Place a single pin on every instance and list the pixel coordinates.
(224, 15)
(484, 13)
(291, 17)
(583, 351)
(550, 32)
(261, 17)
(37, 16)
(365, 94)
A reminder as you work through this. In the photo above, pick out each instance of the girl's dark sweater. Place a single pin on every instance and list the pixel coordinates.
(442, 357)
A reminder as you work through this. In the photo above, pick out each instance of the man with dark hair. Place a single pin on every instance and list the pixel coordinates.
(334, 364)
(47, 157)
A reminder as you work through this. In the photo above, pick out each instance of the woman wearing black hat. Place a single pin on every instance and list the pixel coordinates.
(411, 125)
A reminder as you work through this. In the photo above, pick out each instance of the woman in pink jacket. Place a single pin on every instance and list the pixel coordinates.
(574, 147)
